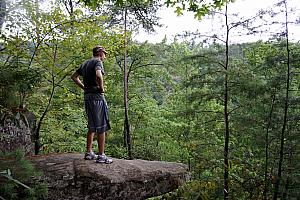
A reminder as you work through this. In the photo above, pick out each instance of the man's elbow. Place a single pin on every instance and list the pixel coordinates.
(74, 77)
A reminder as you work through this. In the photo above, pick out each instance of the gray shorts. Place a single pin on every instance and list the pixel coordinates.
(97, 113)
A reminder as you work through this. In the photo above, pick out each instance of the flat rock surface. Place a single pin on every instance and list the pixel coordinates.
(69, 176)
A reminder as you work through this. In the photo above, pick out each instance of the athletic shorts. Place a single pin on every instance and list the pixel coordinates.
(97, 113)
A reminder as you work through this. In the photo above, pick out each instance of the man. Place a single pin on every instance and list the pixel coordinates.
(96, 108)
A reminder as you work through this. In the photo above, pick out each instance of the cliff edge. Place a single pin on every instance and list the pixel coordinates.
(69, 176)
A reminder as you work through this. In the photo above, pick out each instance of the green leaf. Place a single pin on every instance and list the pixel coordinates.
(178, 11)
(168, 3)
(119, 3)
(193, 7)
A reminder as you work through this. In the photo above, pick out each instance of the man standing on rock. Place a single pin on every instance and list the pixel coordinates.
(96, 107)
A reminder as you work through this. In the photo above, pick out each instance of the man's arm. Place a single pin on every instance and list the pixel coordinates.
(75, 78)
(99, 79)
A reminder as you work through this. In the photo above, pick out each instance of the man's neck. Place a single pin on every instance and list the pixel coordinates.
(98, 58)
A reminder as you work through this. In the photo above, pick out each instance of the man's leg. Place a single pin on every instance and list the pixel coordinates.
(89, 155)
(89, 141)
(101, 143)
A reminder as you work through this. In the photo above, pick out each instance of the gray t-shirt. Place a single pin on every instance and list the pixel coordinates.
(88, 71)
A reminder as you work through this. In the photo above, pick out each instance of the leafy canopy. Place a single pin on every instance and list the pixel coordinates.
(200, 8)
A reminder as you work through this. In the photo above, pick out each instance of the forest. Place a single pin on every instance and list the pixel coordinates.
(229, 111)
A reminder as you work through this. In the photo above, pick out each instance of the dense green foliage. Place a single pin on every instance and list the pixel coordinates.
(175, 100)
(199, 8)
(16, 174)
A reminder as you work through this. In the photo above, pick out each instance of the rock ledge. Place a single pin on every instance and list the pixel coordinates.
(69, 176)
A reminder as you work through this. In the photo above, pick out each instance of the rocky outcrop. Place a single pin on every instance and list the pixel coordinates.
(69, 176)
(16, 132)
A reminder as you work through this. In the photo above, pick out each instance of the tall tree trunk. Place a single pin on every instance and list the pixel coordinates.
(226, 113)
(286, 106)
(187, 119)
(126, 115)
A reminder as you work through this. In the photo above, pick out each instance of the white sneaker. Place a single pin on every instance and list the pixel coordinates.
(90, 156)
(103, 159)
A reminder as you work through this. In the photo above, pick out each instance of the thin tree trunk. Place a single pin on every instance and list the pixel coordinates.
(286, 106)
(226, 114)
(69, 7)
(37, 144)
(187, 119)
(124, 135)
(126, 120)
(287, 184)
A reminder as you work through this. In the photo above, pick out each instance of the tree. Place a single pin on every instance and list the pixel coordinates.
(227, 59)
(199, 8)
(225, 70)
(51, 53)
(286, 103)
(19, 75)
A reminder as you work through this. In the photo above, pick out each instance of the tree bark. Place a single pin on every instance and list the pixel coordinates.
(286, 106)
(37, 144)
(127, 136)
(69, 6)
(226, 113)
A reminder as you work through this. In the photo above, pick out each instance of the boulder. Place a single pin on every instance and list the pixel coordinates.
(69, 176)
(16, 132)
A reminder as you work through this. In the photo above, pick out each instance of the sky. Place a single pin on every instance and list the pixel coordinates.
(245, 8)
